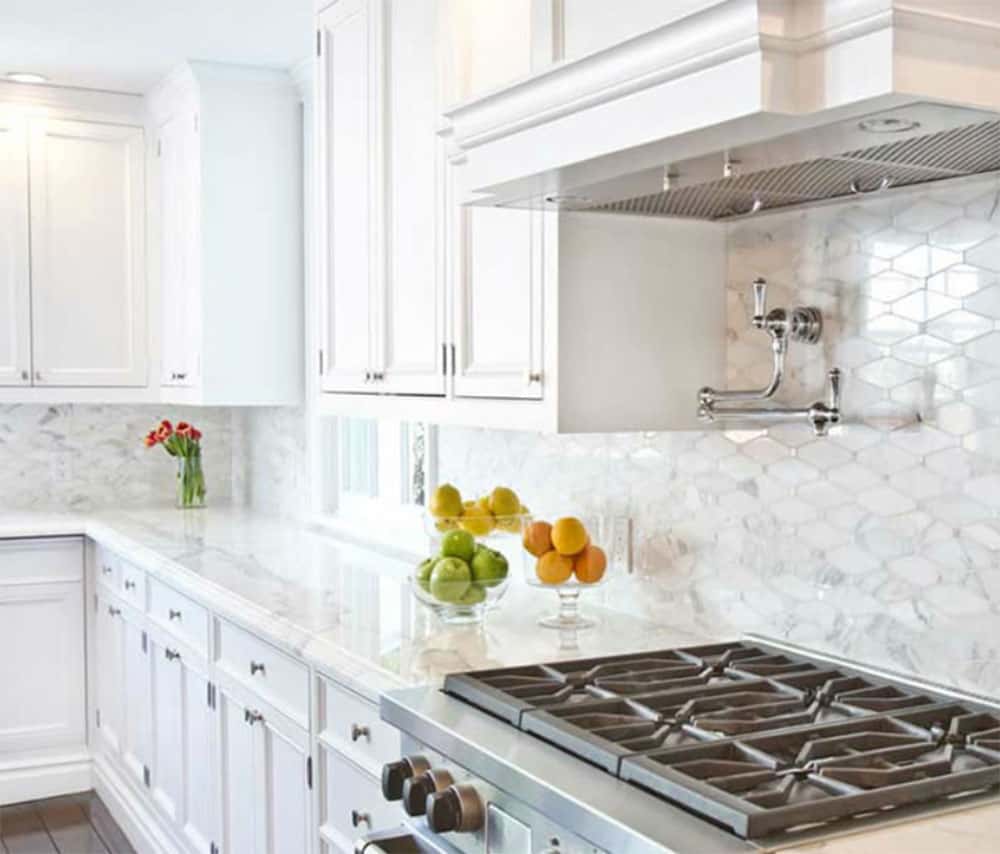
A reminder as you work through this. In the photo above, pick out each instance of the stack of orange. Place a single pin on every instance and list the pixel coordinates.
(563, 550)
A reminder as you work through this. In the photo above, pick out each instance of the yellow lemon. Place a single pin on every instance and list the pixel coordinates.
(446, 501)
(569, 536)
(477, 519)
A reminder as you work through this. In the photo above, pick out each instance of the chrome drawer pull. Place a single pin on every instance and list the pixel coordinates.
(129, 585)
(360, 818)
(171, 654)
(174, 615)
(257, 667)
(359, 731)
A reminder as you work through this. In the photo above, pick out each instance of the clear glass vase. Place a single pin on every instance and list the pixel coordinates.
(190, 482)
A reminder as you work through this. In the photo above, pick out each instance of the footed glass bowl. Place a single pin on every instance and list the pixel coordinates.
(583, 564)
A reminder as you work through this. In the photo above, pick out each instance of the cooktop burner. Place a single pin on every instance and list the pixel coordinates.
(756, 740)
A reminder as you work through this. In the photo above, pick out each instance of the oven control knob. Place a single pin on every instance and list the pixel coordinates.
(394, 774)
(457, 808)
(416, 789)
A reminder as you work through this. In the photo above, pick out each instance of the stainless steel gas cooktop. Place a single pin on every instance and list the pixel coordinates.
(757, 740)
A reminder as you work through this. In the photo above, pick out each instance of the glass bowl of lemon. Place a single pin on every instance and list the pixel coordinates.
(498, 514)
(569, 555)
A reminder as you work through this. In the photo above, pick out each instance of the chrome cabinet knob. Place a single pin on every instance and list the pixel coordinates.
(257, 667)
(113, 611)
(359, 818)
(378, 376)
(38, 376)
(359, 731)
(25, 376)
(171, 654)
(173, 615)
(129, 584)
(106, 569)
(534, 377)
(252, 716)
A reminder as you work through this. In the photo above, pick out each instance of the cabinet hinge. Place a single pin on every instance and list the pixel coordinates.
(97, 715)
(319, 43)
(453, 360)
(146, 775)
(159, 148)
(321, 361)
(444, 359)
(210, 695)
(95, 603)
(309, 772)
(196, 121)
(145, 642)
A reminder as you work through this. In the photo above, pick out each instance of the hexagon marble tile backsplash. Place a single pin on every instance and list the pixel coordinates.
(880, 542)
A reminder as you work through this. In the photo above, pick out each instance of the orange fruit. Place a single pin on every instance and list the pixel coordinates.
(554, 568)
(537, 538)
(589, 565)
(569, 536)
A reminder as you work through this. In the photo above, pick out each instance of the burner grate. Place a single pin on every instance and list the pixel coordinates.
(758, 741)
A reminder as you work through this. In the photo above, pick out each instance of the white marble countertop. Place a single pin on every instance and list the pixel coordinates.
(348, 610)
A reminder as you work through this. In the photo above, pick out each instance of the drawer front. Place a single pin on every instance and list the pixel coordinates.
(178, 615)
(352, 724)
(352, 803)
(132, 585)
(278, 678)
(108, 568)
(41, 561)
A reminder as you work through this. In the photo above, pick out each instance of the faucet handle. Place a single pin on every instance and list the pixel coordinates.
(833, 395)
(759, 301)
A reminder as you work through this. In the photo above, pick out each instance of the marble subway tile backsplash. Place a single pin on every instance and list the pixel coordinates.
(85, 457)
(880, 542)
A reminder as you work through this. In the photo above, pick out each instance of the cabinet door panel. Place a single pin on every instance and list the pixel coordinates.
(346, 138)
(41, 626)
(288, 795)
(410, 325)
(137, 722)
(200, 807)
(498, 304)
(168, 731)
(179, 259)
(87, 256)
(110, 686)
(15, 291)
(239, 791)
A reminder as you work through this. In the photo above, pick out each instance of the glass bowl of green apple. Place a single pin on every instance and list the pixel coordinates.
(462, 579)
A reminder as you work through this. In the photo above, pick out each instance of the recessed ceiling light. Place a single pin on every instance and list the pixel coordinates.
(26, 77)
(888, 125)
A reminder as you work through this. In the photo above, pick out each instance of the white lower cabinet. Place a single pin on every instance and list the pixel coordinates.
(266, 773)
(108, 654)
(137, 712)
(42, 687)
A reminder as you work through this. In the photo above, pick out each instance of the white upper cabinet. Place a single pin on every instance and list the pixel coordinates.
(87, 254)
(227, 163)
(15, 289)
(505, 317)
(381, 268)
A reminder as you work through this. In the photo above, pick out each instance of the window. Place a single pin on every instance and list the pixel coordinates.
(376, 476)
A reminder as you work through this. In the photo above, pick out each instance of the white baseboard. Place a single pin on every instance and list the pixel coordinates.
(133, 815)
(47, 777)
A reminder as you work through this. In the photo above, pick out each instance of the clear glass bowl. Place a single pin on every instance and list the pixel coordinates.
(482, 528)
(585, 568)
(468, 599)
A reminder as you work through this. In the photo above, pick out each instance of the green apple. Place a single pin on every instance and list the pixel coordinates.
(488, 567)
(450, 579)
(423, 573)
(460, 544)
(473, 596)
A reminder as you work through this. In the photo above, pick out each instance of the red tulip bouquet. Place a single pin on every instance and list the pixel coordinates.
(184, 443)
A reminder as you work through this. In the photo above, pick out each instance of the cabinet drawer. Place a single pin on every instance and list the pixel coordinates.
(278, 678)
(41, 560)
(132, 585)
(352, 803)
(108, 568)
(178, 615)
(353, 725)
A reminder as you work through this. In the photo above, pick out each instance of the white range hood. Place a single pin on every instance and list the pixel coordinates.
(744, 105)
